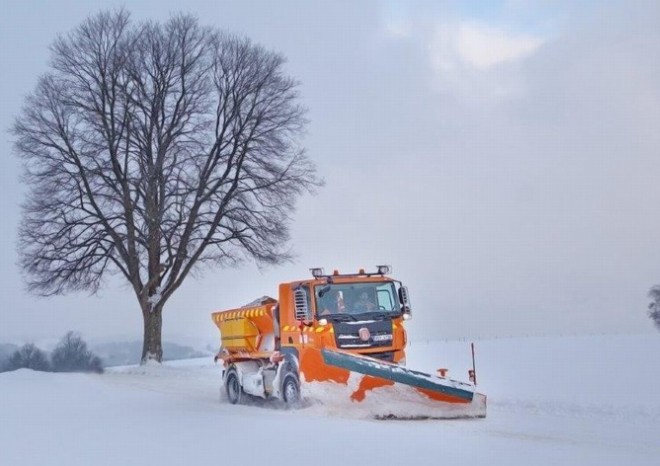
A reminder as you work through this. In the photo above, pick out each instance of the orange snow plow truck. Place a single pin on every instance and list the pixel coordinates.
(339, 339)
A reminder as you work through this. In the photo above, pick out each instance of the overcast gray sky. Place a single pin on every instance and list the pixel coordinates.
(503, 156)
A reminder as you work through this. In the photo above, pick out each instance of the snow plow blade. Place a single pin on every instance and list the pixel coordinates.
(388, 391)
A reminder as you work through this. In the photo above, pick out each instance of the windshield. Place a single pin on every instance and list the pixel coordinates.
(356, 298)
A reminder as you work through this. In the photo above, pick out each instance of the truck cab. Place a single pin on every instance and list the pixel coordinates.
(360, 313)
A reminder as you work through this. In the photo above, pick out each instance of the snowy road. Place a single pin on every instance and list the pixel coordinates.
(171, 415)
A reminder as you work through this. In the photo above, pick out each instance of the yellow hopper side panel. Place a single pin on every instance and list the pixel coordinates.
(244, 329)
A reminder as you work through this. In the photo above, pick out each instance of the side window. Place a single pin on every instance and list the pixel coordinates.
(384, 298)
(385, 301)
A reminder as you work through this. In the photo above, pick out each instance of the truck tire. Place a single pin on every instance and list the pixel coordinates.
(233, 387)
(291, 390)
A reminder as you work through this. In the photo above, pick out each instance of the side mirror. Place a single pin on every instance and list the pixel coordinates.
(404, 298)
(300, 304)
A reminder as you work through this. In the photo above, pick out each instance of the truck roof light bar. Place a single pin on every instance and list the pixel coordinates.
(384, 269)
(317, 272)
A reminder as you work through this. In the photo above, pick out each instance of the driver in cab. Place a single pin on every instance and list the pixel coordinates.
(364, 304)
(332, 303)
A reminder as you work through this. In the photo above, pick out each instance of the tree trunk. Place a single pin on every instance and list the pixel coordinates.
(152, 349)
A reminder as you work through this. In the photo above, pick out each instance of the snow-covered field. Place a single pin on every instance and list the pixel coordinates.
(571, 400)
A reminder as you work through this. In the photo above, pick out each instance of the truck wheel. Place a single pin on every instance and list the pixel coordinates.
(233, 387)
(291, 390)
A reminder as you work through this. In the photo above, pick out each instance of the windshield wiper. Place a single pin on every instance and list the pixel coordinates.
(376, 314)
(379, 315)
(343, 317)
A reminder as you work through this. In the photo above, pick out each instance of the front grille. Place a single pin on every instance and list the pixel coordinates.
(347, 335)
(349, 340)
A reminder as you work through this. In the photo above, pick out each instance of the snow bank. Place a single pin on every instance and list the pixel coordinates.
(614, 376)
(569, 401)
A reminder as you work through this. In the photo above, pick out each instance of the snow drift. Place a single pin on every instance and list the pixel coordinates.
(578, 400)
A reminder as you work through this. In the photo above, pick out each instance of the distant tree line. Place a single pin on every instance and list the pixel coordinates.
(70, 355)
(654, 306)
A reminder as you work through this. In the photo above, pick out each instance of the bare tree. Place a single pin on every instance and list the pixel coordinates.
(29, 357)
(72, 355)
(151, 149)
(654, 306)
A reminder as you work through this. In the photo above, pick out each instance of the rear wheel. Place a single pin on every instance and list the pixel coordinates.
(233, 387)
(291, 389)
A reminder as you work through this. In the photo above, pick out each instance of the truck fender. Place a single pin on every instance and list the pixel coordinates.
(290, 364)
